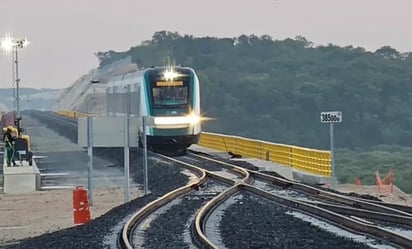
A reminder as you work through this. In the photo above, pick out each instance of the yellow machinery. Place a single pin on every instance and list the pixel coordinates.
(21, 145)
(13, 130)
(27, 139)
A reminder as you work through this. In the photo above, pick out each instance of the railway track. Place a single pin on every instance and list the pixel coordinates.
(65, 126)
(386, 216)
(310, 194)
(197, 189)
(362, 216)
(242, 182)
(58, 119)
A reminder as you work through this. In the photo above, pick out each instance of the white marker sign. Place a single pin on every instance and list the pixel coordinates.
(331, 117)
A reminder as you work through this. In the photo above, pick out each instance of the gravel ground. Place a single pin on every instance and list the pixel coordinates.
(163, 178)
(168, 229)
(32, 214)
(91, 235)
(27, 215)
(246, 225)
(256, 223)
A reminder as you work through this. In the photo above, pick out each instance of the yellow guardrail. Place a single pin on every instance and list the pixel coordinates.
(304, 159)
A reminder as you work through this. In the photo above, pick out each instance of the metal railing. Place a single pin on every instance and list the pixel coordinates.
(300, 158)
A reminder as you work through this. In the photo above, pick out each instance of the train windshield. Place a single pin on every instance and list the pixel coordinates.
(170, 95)
(170, 92)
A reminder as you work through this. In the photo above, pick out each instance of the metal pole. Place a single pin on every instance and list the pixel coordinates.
(126, 159)
(145, 158)
(127, 149)
(28, 105)
(90, 155)
(332, 157)
(13, 75)
(17, 84)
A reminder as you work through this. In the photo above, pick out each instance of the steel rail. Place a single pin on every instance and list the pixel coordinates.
(234, 168)
(406, 209)
(125, 239)
(392, 218)
(338, 219)
(322, 194)
(206, 211)
(329, 196)
(334, 217)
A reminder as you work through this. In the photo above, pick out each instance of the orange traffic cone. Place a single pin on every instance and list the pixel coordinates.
(81, 209)
(386, 184)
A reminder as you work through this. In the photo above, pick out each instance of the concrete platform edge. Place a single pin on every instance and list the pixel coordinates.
(20, 179)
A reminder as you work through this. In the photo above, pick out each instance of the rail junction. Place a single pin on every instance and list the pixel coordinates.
(201, 200)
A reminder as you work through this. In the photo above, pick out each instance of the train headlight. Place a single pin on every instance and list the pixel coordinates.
(170, 74)
(181, 120)
(193, 119)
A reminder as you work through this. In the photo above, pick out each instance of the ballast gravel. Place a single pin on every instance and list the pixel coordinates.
(250, 223)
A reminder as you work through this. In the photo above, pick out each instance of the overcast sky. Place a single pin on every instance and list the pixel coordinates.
(65, 34)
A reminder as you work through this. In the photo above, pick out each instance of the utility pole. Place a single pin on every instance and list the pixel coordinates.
(13, 45)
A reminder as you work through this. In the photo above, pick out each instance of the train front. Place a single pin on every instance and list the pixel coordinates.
(173, 102)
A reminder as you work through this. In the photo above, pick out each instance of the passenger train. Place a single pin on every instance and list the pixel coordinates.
(170, 95)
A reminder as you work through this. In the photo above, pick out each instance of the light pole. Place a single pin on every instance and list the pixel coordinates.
(13, 45)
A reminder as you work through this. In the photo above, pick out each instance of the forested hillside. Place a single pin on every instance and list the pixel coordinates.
(259, 87)
(275, 90)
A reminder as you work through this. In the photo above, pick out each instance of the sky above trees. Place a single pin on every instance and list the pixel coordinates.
(66, 34)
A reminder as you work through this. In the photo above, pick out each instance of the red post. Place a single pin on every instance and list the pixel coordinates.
(81, 209)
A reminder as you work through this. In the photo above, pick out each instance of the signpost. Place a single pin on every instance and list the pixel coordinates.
(104, 132)
(126, 148)
(126, 151)
(90, 156)
(331, 118)
(146, 182)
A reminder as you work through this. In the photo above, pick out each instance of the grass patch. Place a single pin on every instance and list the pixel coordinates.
(362, 163)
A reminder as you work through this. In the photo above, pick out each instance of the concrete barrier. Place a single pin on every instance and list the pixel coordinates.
(20, 179)
(313, 179)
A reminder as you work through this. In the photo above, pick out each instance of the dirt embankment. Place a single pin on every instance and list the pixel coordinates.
(397, 197)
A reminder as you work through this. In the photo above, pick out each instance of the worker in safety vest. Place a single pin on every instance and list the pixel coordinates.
(9, 145)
